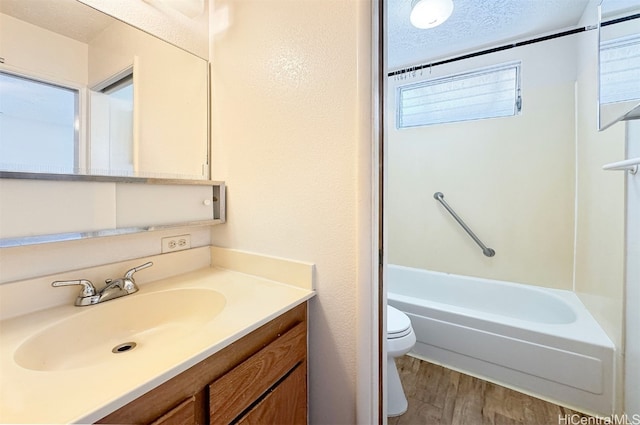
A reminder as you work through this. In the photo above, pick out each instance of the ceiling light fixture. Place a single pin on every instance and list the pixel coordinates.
(430, 13)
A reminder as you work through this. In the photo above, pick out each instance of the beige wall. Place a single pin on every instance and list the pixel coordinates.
(632, 289)
(511, 179)
(290, 86)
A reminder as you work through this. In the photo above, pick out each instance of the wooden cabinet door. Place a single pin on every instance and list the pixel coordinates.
(183, 414)
(286, 404)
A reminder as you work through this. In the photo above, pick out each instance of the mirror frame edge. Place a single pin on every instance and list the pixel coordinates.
(632, 112)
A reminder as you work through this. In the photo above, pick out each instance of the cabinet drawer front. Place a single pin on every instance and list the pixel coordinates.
(286, 404)
(234, 392)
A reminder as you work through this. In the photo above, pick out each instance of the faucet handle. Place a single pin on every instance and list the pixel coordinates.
(88, 290)
(129, 274)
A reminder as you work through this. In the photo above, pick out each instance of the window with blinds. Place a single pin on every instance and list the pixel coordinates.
(484, 93)
(620, 69)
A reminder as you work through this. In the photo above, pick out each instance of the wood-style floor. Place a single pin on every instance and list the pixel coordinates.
(440, 396)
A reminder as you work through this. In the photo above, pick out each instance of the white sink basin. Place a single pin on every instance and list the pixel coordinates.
(105, 332)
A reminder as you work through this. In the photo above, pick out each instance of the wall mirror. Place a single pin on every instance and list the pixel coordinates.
(86, 94)
(619, 62)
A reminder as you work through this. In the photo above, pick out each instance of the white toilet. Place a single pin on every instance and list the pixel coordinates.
(400, 339)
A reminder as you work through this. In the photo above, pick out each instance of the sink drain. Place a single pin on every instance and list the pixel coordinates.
(123, 348)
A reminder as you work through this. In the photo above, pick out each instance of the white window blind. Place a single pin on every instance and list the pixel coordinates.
(620, 69)
(485, 93)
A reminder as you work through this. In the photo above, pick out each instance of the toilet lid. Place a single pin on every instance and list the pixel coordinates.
(398, 323)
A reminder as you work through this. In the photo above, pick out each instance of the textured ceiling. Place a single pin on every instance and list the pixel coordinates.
(66, 17)
(474, 25)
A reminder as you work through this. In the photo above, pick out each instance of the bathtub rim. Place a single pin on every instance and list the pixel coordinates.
(584, 329)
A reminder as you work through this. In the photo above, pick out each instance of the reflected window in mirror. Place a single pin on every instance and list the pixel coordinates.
(620, 69)
(38, 126)
(619, 62)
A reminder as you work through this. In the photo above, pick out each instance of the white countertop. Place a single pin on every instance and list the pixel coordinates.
(88, 393)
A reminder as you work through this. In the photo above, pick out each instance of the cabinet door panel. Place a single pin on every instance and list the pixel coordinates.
(183, 414)
(234, 392)
(286, 404)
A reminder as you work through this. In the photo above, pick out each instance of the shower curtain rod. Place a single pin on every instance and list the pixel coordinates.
(512, 45)
(492, 50)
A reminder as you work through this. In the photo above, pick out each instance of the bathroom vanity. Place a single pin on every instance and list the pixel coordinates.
(262, 378)
(212, 336)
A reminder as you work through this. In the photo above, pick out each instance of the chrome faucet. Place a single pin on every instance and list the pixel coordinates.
(113, 289)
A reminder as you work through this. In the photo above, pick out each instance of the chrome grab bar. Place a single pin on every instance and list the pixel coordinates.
(438, 196)
(630, 165)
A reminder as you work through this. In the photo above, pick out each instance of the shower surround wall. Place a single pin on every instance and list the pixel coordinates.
(530, 186)
(511, 179)
(600, 205)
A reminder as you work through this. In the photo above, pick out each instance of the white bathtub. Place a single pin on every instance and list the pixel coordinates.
(536, 340)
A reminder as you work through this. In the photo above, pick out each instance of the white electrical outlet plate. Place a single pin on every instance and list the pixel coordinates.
(176, 243)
